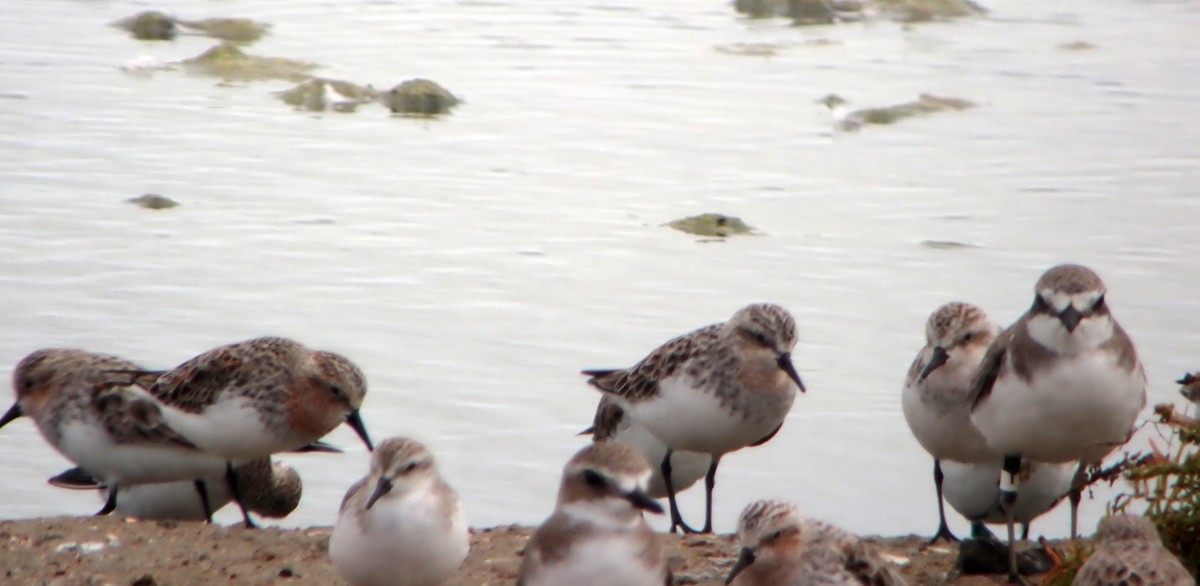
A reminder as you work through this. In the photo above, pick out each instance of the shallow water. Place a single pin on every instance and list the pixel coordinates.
(472, 265)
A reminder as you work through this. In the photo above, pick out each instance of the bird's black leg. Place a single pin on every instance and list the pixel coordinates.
(202, 490)
(231, 479)
(943, 531)
(676, 518)
(110, 505)
(710, 480)
(1075, 495)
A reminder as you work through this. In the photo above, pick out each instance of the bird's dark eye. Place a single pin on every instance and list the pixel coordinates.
(967, 336)
(760, 338)
(1099, 304)
(593, 478)
(28, 384)
(410, 467)
(336, 390)
(775, 535)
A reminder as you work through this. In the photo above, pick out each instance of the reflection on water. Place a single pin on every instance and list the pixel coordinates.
(473, 265)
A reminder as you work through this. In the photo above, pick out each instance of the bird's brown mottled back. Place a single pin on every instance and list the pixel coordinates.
(640, 381)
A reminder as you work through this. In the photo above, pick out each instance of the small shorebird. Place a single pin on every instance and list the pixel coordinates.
(1062, 384)
(974, 491)
(687, 468)
(270, 489)
(259, 397)
(1130, 551)
(117, 432)
(597, 535)
(401, 525)
(715, 390)
(935, 392)
(782, 548)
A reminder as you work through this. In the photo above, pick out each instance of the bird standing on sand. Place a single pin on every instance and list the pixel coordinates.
(1062, 384)
(259, 397)
(935, 392)
(401, 525)
(116, 431)
(715, 390)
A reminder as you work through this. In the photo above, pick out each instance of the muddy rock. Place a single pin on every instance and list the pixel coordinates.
(229, 62)
(234, 30)
(419, 97)
(149, 25)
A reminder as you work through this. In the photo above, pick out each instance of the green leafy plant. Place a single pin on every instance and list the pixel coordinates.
(1166, 482)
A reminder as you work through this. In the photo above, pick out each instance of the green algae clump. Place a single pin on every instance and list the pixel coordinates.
(149, 25)
(229, 62)
(1166, 481)
(419, 97)
(928, 10)
(153, 201)
(802, 12)
(235, 30)
(712, 225)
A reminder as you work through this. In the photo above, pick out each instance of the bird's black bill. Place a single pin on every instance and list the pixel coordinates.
(1070, 318)
(744, 560)
(355, 423)
(643, 501)
(1187, 379)
(384, 487)
(939, 358)
(320, 446)
(785, 362)
(75, 479)
(12, 414)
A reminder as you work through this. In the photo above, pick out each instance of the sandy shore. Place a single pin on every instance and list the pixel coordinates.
(90, 551)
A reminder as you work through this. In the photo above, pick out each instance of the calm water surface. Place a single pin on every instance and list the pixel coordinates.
(473, 265)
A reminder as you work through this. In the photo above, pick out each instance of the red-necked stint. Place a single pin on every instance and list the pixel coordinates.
(272, 490)
(401, 525)
(117, 432)
(935, 392)
(780, 547)
(715, 390)
(259, 397)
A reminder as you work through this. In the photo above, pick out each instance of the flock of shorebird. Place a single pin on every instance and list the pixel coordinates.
(1012, 417)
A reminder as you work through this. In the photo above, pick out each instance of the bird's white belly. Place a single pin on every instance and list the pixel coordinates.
(92, 449)
(232, 429)
(686, 467)
(687, 418)
(171, 500)
(974, 489)
(942, 425)
(603, 561)
(402, 542)
(1078, 409)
